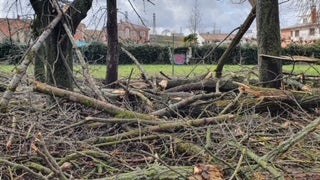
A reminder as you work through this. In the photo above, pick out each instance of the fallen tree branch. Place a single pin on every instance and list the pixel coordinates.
(285, 145)
(175, 107)
(261, 161)
(26, 169)
(203, 85)
(264, 99)
(88, 101)
(160, 127)
(155, 172)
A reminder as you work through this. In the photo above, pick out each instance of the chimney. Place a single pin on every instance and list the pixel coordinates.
(126, 16)
(313, 14)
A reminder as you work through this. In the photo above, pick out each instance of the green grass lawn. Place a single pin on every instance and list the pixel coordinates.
(99, 71)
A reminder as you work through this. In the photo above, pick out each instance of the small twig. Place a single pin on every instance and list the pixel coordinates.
(139, 66)
(48, 157)
(164, 75)
(68, 127)
(236, 170)
(161, 127)
(202, 61)
(129, 79)
(20, 166)
(140, 138)
(29, 130)
(13, 131)
(180, 104)
(262, 162)
(163, 162)
(122, 121)
(233, 102)
(13, 126)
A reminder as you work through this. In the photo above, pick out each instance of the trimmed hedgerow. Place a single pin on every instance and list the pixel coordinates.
(96, 53)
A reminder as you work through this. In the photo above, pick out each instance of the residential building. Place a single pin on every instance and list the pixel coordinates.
(94, 35)
(80, 32)
(306, 32)
(17, 30)
(209, 39)
(132, 33)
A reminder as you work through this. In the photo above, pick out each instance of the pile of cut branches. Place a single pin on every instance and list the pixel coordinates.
(164, 128)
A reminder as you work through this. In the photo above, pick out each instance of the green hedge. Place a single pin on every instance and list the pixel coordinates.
(149, 54)
(96, 53)
(10, 52)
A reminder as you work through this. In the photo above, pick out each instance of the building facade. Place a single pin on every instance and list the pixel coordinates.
(131, 33)
(215, 39)
(17, 30)
(306, 32)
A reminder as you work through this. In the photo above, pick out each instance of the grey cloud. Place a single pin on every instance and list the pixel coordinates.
(170, 14)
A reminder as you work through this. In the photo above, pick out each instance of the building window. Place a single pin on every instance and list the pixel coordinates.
(134, 35)
(311, 31)
(296, 33)
(127, 33)
(291, 34)
(304, 20)
(143, 34)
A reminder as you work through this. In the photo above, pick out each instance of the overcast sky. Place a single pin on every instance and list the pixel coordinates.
(173, 15)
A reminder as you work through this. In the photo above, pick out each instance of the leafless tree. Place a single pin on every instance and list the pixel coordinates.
(113, 43)
(195, 18)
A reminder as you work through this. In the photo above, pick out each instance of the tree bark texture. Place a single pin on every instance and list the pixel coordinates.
(113, 44)
(41, 8)
(58, 51)
(268, 36)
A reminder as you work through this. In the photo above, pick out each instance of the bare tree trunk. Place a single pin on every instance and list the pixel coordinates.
(270, 71)
(58, 51)
(113, 44)
(21, 70)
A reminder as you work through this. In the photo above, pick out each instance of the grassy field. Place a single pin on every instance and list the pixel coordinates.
(99, 71)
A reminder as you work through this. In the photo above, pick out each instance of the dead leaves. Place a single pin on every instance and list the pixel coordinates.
(206, 172)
